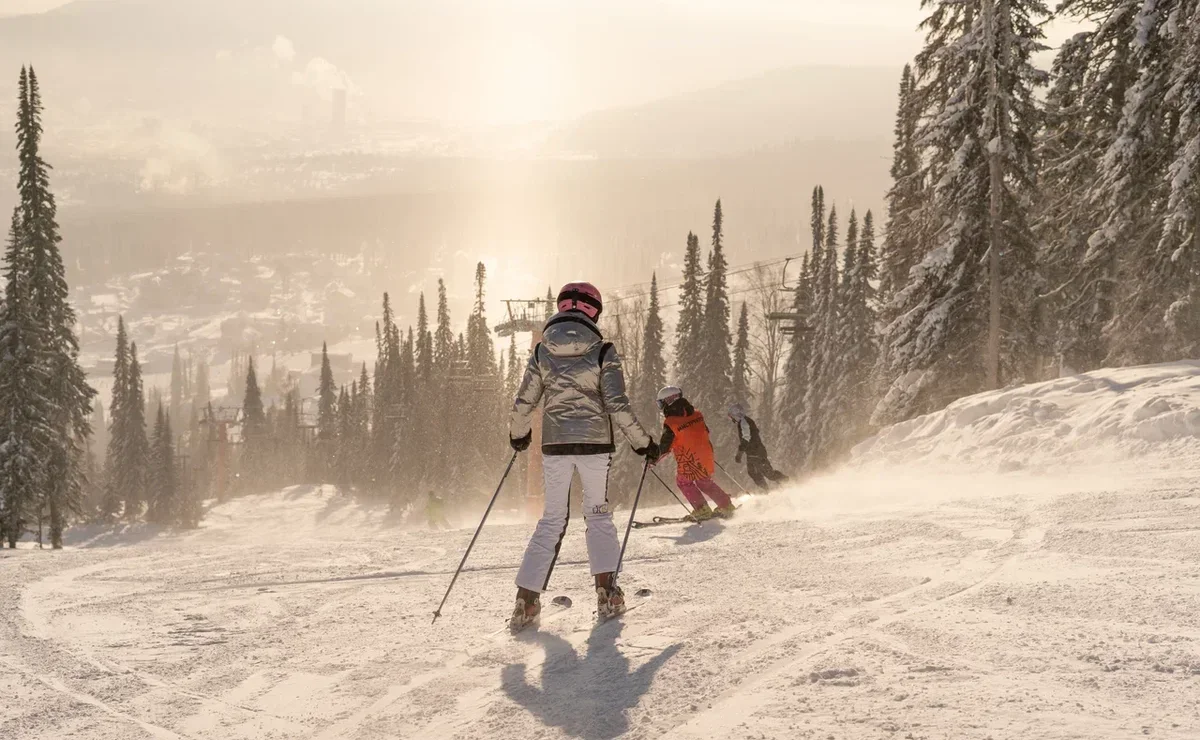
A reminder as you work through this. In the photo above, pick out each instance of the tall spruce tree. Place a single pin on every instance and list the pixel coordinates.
(255, 433)
(165, 505)
(440, 400)
(978, 97)
(1181, 227)
(793, 410)
(903, 246)
(717, 367)
(23, 412)
(820, 402)
(689, 333)
(481, 352)
(1144, 189)
(741, 392)
(424, 357)
(117, 455)
(1092, 75)
(858, 351)
(653, 375)
(135, 469)
(327, 428)
(66, 396)
(178, 381)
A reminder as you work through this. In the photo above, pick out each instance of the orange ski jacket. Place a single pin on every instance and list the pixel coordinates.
(687, 437)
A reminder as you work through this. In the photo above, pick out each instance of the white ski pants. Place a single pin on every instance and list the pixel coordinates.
(604, 548)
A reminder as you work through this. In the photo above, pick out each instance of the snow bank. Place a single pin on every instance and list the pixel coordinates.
(1124, 416)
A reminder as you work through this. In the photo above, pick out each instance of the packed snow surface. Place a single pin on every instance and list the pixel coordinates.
(1024, 564)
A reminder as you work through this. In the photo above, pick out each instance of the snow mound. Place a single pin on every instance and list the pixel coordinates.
(1108, 416)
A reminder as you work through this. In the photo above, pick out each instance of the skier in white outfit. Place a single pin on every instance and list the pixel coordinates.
(577, 376)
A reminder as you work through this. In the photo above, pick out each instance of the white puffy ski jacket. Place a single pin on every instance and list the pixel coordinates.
(579, 378)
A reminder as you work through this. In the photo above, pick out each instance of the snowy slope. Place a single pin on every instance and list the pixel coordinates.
(913, 599)
(1128, 414)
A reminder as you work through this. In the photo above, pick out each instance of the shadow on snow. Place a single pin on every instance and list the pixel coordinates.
(588, 697)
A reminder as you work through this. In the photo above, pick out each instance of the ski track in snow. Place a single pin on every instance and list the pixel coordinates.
(877, 602)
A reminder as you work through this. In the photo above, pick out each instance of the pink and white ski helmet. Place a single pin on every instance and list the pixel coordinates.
(583, 297)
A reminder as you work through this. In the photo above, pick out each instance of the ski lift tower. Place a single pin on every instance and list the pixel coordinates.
(530, 316)
(219, 420)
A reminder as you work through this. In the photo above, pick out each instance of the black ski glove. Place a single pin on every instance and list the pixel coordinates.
(650, 451)
(738, 457)
(522, 444)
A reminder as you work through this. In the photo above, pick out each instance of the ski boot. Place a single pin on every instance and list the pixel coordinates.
(610, 599)
(527, 610)
(725, 512)
(702, 513)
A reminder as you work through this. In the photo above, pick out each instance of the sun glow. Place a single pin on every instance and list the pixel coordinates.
(524, 82)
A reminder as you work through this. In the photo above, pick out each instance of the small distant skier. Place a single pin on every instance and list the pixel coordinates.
(687, 436)
(578, 378)
(435, 511)
(751, 445)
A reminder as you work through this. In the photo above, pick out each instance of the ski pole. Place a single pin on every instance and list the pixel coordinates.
(629, 526)
(478, 529)
(730, 477)
(682, 503)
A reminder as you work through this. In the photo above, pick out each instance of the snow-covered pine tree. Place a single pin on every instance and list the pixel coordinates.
(443, 336)
(1179, 247)
(135, 447)
(978, 97)
(423, 392)
(117, 457)
(327, 428)
(821, 402)
(389, 401)
(163, 488)
(343, 457)
(439, 440)
(177, 383)
(868, 258)
(654, 363)
(424, 357)
(406, 462)
(1092, 74)
(716, 366)
(858, 340)
(741, 392)
(793, 411)
(512, 369)
(65, 385)
(365, 402)
(23, 411)
(481, 351)
(255, 434)
(689, 332)
(903, 245)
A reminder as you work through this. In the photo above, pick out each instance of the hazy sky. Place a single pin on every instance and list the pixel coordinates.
(489, 61)
(515, 61)
(16, 7)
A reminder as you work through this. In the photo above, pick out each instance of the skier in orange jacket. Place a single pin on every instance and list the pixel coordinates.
(687, 436)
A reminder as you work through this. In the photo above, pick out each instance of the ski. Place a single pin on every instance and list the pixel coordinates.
(659, 521)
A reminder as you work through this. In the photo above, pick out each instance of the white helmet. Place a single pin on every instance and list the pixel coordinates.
(668, 395)
(737, 412)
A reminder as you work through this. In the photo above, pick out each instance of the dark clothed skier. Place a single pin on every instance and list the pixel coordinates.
(750, 445)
